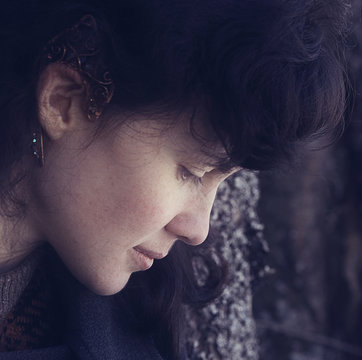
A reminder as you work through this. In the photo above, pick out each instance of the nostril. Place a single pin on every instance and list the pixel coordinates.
(193, 241)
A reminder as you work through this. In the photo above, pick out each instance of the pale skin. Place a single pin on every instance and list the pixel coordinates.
(142, 185)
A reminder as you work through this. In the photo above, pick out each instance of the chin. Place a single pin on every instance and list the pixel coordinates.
(101, 280)
(106, 286)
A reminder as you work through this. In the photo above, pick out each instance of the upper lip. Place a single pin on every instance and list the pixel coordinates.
(149, 253)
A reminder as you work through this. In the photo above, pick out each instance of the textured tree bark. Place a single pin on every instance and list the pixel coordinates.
(225, 329)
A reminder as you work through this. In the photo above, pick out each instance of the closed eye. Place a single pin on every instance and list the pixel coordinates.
(187, 176)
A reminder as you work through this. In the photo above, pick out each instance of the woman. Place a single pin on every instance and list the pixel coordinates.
(119, 121)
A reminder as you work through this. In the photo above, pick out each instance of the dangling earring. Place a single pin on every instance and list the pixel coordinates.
(37, 146)
(94, 111)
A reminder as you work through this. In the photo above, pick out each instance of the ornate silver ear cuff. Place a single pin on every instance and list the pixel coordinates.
(82, 48)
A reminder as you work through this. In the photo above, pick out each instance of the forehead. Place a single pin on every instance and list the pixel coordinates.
(187, 135)
(191, 136)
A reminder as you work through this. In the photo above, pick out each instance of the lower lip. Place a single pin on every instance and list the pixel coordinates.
(143, 261)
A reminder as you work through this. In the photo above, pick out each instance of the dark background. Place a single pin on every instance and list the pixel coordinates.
(311, 307)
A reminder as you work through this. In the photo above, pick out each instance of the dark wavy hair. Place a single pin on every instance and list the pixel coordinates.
(268, 74)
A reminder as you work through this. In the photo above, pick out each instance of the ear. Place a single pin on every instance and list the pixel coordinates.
(61, 96)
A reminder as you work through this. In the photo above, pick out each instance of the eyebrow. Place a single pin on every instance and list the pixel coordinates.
(207, 156)
(217, 160)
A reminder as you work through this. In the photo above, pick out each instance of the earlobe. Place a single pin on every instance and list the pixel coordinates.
(61, 96)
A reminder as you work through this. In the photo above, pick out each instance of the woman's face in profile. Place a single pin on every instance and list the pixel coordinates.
(111, 207)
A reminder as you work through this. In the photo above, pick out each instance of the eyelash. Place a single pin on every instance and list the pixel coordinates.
(187, 175)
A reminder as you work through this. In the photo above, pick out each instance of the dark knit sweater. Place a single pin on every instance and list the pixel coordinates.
(29, 318)
(57, 318)
(14, 281)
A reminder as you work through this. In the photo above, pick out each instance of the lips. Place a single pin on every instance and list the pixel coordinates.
(149, 253)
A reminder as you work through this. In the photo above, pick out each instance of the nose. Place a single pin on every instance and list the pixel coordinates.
(192, 223)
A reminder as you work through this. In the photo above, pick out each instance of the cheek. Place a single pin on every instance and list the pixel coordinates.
(110, 203)
(145, 205)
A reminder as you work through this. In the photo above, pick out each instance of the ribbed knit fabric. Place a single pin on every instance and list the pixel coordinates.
(34, 320)
(14, 282)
